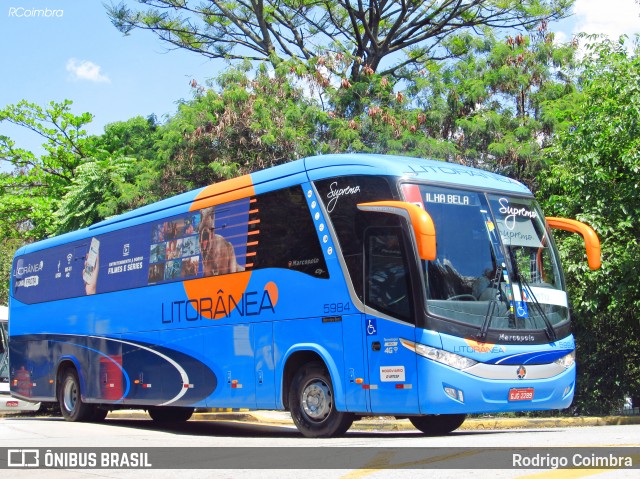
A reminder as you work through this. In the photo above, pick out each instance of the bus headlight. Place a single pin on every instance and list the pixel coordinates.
(445, 357)
(566, 361)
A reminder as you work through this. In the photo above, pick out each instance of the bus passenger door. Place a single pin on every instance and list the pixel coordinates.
(392, 381)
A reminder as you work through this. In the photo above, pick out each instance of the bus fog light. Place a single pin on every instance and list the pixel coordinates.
(454, 393)
(567, 390)
(451, 392)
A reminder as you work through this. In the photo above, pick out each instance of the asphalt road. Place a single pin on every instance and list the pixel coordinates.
(269, 446)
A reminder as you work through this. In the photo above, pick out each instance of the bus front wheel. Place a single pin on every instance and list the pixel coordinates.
(312, 405)
(438, 424)
(70, 399)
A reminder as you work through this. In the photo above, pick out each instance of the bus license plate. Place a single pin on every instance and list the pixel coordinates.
(520, 394)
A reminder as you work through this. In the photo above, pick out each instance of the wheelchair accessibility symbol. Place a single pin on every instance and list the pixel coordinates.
(372, 328)
(522, 311)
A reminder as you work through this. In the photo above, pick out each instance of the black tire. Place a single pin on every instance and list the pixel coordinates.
(70, 398)
(312, 404)
(170, 413)
(438, 424)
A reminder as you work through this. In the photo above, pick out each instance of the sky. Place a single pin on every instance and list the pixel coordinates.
(76, 53)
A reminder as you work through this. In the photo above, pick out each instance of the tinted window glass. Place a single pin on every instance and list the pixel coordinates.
(272, 230)
(387, 274)
(287, 237)
(341, 197)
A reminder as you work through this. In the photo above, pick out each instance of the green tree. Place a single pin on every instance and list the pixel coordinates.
(485, 108)
(8, 247)
(30, 191)
(76, 181)
(244, 122)
(494, 105)
(118, 177)
(382, 35)
(594, 175)
(95, 193)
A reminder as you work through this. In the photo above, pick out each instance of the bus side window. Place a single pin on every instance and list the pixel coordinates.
(387, 281)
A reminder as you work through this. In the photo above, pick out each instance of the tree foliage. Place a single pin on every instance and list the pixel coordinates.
(75, 181)
(382, 35)
(594, 175)
(241, 123)
(30, 191)
(510, 104)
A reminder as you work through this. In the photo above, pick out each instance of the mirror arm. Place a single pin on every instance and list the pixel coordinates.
(591, 241)
(422, 224)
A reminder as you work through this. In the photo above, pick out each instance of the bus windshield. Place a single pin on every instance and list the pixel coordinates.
(496, 267)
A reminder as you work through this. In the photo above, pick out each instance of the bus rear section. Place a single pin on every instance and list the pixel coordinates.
(332, 287)
(8, 403)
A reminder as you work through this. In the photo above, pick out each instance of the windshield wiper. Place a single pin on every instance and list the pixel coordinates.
(488, 317)
(551, 334)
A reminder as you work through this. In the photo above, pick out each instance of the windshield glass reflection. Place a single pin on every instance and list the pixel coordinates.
(496, 266)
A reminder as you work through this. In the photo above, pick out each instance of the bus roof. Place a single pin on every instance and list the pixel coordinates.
(316, 168)
(420, 169)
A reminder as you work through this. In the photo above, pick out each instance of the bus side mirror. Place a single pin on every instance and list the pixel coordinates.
(422, 224)
(591, 241)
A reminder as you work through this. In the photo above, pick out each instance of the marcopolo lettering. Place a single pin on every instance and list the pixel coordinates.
(250, 303)
(521, 338)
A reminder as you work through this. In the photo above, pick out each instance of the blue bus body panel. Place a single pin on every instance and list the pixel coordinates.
(490, 394)
(158, 328)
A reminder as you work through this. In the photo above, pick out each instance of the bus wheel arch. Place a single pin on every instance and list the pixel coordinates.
(311, 399)
(69, 394)
(294, 363)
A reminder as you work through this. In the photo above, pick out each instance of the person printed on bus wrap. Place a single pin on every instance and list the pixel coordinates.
(218, 254)
(91, 281)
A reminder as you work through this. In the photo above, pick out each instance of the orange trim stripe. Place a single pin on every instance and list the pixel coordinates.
(223, 192)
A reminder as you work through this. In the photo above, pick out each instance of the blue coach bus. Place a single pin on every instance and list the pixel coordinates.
(334, 287)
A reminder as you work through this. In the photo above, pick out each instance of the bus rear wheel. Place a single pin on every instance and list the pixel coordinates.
(70, 399)
(170, 413)
(438, 424)
(312, 405)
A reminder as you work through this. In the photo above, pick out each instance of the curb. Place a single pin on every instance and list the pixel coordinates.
(384, 423)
